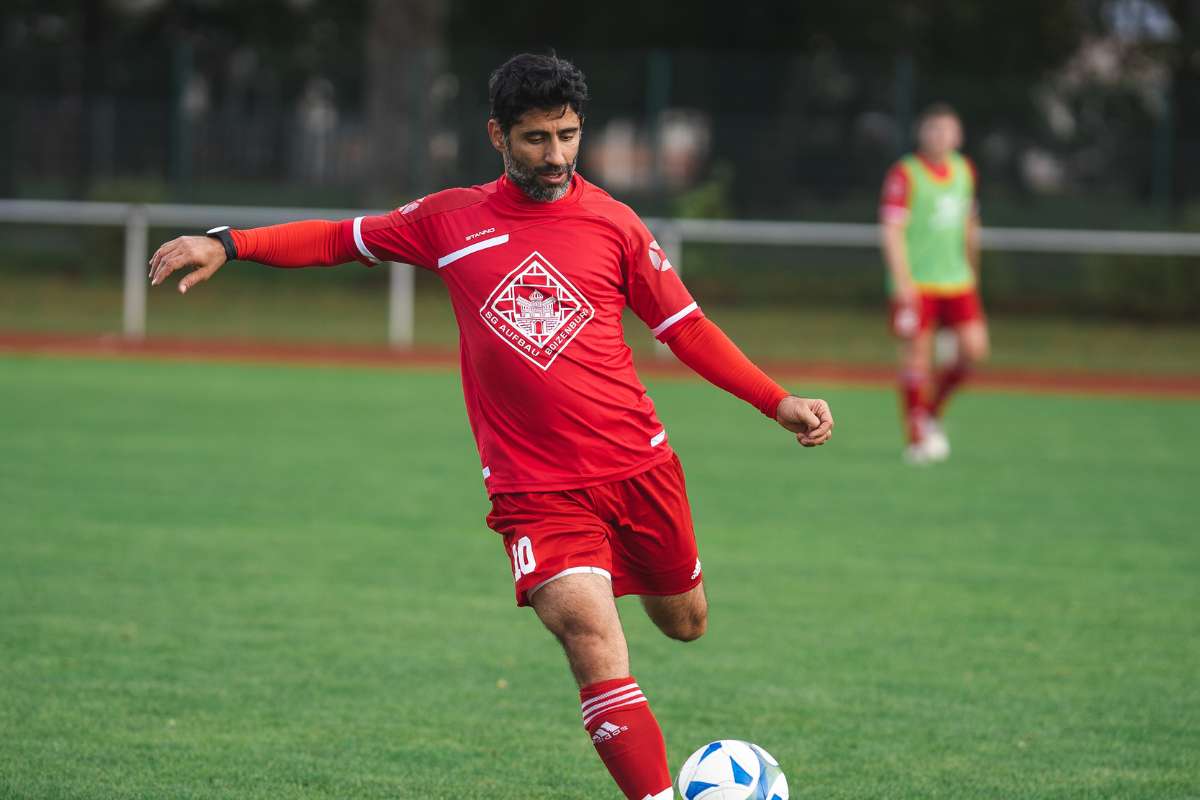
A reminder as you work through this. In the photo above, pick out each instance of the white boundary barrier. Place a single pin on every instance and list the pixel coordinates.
(137, 219)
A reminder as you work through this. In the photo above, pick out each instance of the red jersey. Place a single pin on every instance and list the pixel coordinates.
(538, 290)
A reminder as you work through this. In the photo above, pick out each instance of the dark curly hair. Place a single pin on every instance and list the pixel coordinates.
(528, 81)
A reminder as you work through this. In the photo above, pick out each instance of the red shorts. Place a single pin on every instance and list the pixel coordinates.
(942, 310)
(636, 532)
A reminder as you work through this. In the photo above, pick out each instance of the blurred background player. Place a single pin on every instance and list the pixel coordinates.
(930, 239)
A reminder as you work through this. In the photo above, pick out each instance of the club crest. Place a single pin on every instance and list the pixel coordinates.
(536, 310)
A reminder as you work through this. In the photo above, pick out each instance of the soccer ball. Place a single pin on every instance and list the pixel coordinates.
(732, 770)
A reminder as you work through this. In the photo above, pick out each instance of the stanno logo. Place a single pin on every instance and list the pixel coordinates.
(413, 206)
(606, 731)
(536, 310)
(477, 234)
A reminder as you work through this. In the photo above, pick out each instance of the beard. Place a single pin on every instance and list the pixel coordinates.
(526, 178)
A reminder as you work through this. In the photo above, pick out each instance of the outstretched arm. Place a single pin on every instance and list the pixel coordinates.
(705, 348)
(894, 209)
(973, 245)
(895, 256)
(294, 244)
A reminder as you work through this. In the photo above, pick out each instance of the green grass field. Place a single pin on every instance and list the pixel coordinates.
(269, 582)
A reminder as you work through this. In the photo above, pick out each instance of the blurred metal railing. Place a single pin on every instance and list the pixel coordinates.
(671, 234)
(137, 219)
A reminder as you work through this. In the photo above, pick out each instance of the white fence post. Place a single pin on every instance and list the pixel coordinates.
(136, 269)
(401, 301)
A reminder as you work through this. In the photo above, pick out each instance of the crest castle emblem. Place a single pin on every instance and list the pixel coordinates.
(536, 310)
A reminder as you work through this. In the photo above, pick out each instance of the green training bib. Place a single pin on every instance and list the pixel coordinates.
(936, 234)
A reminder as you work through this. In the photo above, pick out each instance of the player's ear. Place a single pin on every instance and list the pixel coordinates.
(496, 135)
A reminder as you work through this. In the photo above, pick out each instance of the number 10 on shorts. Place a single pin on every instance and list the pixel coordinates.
(522, 558)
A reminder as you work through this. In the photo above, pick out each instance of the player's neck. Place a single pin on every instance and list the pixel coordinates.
(934, 159)
(939, 165)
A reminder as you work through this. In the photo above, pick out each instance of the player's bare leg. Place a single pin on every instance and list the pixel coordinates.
(973, 343)
(916, 352)
(680, 616)
(580, 611)
(971, 348)
(916, 358)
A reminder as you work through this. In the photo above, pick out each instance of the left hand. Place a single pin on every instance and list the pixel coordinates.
(810, 420)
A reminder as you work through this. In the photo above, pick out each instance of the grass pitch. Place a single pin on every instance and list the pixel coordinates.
(267, 582)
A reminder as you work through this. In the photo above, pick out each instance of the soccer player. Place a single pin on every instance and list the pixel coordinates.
(584, 486)
(930, 238)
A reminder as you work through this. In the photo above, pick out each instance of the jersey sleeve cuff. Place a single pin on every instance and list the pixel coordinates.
(352, 240)
(771, 406)
(241, 244)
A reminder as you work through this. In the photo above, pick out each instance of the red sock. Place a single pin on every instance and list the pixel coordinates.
(948, 380)
(627, 737)
(912, 389)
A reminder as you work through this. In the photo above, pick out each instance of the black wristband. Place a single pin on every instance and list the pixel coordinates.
(223, 236)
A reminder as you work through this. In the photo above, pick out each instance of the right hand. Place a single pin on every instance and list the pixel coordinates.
(906, 310)
(905, 293)
(204, 255)
(811, 420)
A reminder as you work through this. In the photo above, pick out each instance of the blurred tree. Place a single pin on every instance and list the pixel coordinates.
(1016, 37)
(1185, 104)
(94, 63)
(791, 64)
(792, 89)
(405, 52)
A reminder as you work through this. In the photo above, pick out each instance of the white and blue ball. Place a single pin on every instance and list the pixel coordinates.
(732, 770)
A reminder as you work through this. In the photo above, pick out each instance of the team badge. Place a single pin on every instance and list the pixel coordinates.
(536, 310)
